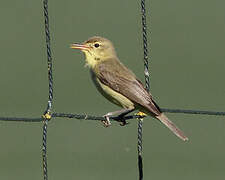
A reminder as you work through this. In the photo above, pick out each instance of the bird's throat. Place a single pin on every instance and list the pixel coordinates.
(90, 60)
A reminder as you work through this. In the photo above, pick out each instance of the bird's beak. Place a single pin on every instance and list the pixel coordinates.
(80, 46)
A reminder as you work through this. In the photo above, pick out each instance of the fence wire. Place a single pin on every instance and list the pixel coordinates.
(147, 86)
(49, 114)
(99, 118)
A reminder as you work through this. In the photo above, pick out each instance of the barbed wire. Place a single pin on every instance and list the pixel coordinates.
(49, 113)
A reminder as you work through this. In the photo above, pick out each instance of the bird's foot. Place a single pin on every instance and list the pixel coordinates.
(123, 122)
(106, 122)
(119, 118)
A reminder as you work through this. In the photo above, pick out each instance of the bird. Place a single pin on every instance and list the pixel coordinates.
(119, 84)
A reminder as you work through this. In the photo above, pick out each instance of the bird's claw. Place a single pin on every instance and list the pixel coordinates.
(123, 123)
(106, 122)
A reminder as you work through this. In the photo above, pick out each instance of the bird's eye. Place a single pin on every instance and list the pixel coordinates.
(96, 45)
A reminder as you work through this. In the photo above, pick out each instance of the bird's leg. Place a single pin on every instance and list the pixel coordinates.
(120, 113)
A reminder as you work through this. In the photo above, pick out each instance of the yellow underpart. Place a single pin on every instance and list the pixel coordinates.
(111, 95)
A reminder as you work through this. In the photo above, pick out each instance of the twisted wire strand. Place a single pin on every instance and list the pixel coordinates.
(188, 111)
(70, 116)
(147, 86)
(21, 119)
(44, 150)
(49, 56)
(99, 118)
(139, 146)
(145, 45)
(47, 114)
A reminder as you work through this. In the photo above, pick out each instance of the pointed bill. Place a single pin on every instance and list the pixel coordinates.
(80, 46)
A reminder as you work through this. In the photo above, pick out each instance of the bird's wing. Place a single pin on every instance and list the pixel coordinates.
(123, 81)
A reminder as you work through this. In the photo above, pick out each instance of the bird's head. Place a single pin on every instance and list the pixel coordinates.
(96, 49)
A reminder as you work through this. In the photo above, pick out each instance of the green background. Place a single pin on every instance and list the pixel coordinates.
(187, 41)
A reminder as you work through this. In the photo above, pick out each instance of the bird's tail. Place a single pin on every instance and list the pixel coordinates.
(163, 119)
